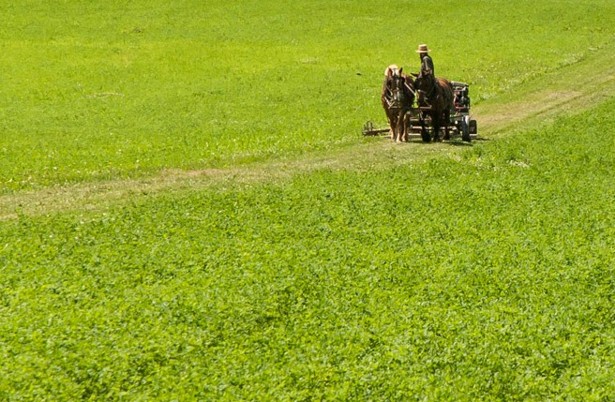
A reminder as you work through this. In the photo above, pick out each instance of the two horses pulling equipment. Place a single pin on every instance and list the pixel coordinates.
(423, 108)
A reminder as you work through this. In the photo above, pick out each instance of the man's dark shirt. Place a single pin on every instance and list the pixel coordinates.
(427, 65)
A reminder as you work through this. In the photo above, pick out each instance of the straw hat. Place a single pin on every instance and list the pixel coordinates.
(422, 49)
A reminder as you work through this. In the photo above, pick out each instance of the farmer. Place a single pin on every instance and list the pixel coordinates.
(426, 62)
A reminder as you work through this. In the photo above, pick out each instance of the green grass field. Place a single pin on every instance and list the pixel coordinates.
(189, 212)
(95, 91)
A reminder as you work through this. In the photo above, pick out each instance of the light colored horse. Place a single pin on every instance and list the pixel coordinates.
(397, 98)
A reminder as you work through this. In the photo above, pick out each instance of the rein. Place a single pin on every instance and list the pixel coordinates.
(409, 88)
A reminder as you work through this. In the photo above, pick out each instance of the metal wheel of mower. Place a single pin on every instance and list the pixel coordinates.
(465, 129)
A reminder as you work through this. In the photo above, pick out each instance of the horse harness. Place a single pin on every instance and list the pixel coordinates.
(429, 94)
(393, 101)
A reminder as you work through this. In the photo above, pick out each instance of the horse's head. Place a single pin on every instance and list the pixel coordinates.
(399, 87)
(394, 76)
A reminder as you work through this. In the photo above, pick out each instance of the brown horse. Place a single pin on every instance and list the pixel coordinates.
(397, 98)
(436, 95)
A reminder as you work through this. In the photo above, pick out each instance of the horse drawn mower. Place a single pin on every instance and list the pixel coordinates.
(418, 118)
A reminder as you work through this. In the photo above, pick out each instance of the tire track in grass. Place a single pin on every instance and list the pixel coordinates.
(567, 90)
(571, 89)
(100, 195)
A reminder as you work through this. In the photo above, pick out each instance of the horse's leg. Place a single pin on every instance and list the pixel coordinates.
(435, 124)
(447, 120)
(424, 134)
(396, 127)
(399, 128)
(399, 134)
(404, 135)
(397, 123)
(387, 112)
(392, 124)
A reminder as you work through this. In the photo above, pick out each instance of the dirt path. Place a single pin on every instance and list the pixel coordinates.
(593, 78)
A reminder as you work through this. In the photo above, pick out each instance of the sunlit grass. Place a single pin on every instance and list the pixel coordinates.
(109, 90)
(487, 275)
(482, 272)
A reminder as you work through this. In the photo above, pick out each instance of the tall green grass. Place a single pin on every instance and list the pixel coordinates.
(484, 276)
(101, 90)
